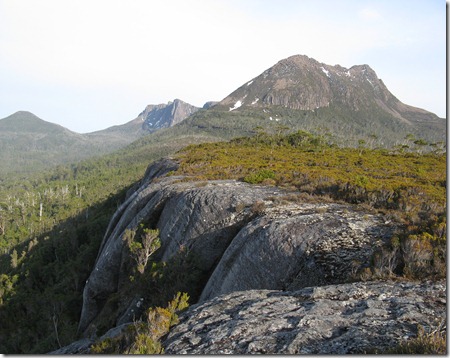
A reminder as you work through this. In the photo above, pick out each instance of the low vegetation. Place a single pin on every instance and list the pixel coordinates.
(430, 343)
(143, 337)
(409, 188)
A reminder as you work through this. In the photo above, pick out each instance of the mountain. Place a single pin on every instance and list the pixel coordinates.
(76, 261)
(159, 116)
(350, 106)
(28, 143)
(350, 101)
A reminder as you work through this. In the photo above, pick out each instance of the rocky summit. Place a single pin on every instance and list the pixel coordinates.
(300, 82)
(159, 116)
(239, 232)
(353, 97)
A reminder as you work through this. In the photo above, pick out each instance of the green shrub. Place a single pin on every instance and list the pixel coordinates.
(144, 337)
(259, 177)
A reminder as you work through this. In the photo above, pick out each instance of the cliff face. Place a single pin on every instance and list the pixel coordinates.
(165, 115)
(252, 239)
(240, 233)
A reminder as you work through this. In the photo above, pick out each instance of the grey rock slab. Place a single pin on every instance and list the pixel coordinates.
(334, 319)
(247, 235)
(296, 246)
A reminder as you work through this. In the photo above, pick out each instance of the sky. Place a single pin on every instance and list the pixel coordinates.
(91, 64)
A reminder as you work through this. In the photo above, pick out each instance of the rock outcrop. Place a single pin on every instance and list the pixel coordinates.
(159, 116)
(249, 236)
(338, 319)
(279, 270)
(352, 318)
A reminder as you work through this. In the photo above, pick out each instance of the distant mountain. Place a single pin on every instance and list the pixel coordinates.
(351, 101)
(298, 93)
(26, 122)
(159, 116)
(28, 143)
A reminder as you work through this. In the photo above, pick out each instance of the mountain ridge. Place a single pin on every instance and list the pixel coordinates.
(159, 116)
(299, 93)
(30, 143)
(300, 82)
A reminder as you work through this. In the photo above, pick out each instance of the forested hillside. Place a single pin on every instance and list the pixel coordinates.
(29, 144)
(52, 224)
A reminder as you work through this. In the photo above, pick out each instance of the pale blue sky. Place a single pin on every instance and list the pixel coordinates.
(91, 64)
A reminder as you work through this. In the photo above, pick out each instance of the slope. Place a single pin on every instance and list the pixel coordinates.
(303, 92)
(29, 144)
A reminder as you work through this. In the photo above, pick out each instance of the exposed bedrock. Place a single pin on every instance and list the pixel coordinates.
(335, 319)
(248, 236)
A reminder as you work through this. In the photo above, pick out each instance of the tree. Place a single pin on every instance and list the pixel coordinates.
(141, 251)
(14, 259)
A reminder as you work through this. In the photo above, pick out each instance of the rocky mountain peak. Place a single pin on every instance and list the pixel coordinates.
(165, 115)
(302, 83)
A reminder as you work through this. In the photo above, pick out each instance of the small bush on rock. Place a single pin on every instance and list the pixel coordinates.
(144, 337)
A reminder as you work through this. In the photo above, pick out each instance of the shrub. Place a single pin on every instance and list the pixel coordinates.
(425, 343)
(144, 337)
(417, 254)
(258, 207)
(259, 177)
(142, 250)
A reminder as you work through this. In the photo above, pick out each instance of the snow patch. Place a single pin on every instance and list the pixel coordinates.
(236, 105)
(248, 84)
(369, 82)
(348, 73)
(325, 71)
(271, 118)
(255, 101)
